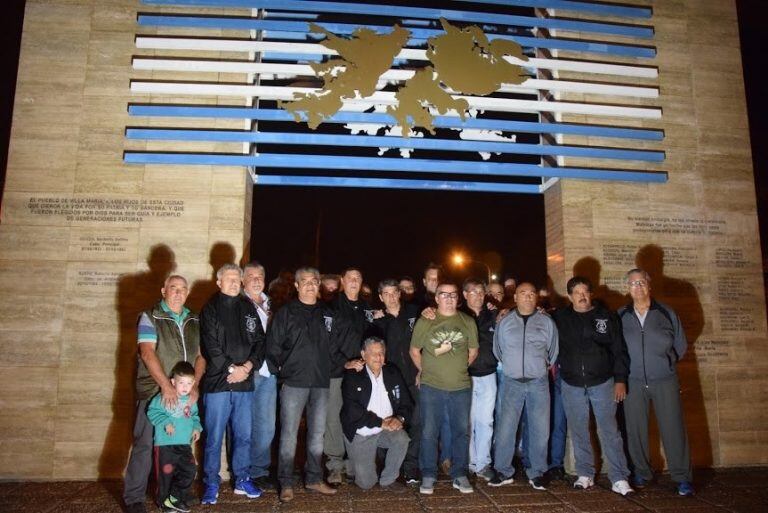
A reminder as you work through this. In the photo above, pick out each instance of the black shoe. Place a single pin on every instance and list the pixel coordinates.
(263, 482)
(556, 474)
(412, 477)
(395, 487)
(500, 480)
(136, 507)
(538, 483)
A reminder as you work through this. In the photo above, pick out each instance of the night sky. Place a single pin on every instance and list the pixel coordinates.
(396, 232)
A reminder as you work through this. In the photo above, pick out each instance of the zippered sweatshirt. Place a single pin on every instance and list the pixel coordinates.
(485, 363)
(185, 420)
(592, 349)
(655, 346)
(525, 348)
(351, 324)
(299, 345)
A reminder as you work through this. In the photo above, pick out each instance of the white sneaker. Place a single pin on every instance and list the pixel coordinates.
(584, 482)
(622, 487)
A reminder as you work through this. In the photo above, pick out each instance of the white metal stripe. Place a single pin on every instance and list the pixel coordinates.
(228, 45)
(388, 98)
(283, 70)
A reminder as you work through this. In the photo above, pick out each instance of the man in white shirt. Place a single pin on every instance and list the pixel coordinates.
(264, 385)
(376, 407)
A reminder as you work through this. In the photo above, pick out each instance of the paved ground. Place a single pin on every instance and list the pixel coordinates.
(741, 490)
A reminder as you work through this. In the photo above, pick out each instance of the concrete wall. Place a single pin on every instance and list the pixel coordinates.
(697, 235)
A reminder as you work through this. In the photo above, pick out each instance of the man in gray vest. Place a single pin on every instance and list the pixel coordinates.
(167, 333)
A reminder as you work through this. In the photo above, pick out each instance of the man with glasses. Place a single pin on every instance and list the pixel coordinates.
(656, 342)
(442, 348)
(525, 342)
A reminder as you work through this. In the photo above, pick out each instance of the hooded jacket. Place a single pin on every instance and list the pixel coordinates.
(592, 349)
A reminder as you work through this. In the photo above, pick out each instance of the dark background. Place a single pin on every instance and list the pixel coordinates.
(395, 232)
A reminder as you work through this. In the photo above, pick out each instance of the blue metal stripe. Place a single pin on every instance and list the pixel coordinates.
(392, 183)
(438, 121)
(604, 9)
(289, 30)
(374, 141)
(298, 161)
(419, 12)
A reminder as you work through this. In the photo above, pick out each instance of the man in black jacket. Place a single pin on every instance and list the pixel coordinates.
(593, 365)
(483, 374)
(232, 343)
(395, 325)
(376, 408)
(352, 319)
(299, 353)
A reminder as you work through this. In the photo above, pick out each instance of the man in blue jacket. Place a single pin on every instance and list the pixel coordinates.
(656, 342)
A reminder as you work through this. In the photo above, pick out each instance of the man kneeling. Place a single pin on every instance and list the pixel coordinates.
(376, 406)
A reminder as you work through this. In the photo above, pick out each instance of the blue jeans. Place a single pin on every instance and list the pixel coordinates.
(534, 395)
(433, 402)
(222, 409)
(264, 415)
(577, 401)
(445, 436)
(292, 403)
(481, 420)
(558, 429)
(559, 426)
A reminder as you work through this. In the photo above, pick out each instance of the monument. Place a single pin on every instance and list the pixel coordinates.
(98, 205)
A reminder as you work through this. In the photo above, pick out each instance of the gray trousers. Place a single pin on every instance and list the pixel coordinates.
(333, 440)
(667, 405)
(362, 454)
(140, 461)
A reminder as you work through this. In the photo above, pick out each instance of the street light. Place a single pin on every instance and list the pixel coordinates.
(458, 260)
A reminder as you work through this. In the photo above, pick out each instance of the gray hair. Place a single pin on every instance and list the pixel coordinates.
(175, 277)
(229, 267)
(254, 265)
(389, 282)
(306, 270)
(638, 271)
(368, 342)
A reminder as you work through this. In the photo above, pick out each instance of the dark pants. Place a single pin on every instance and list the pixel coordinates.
(140, 461)
(175, 470)
(411, 462)
(433, 402)
(668, 407)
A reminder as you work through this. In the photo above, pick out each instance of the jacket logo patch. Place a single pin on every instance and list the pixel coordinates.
(411, 322)
(328, 322)
(368, 315)
(250, 323)
(396, 392)
(601, 326)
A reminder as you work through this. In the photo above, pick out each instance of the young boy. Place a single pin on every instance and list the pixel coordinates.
(177, 426)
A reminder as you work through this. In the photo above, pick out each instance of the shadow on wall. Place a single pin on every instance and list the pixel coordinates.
(683, 297)
(135, 293)
(590, 268)
(202, 290)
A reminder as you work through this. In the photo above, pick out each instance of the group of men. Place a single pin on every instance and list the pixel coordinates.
(441, 380)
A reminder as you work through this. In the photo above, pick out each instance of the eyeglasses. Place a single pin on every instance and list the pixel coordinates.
(638, 283)
(447, 295)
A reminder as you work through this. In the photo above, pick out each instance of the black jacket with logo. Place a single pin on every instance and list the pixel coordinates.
(396, 332)
(486, 362)
(356, 391)
(230, 334)
(592, 349)
(351, 324)
(299, 345)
